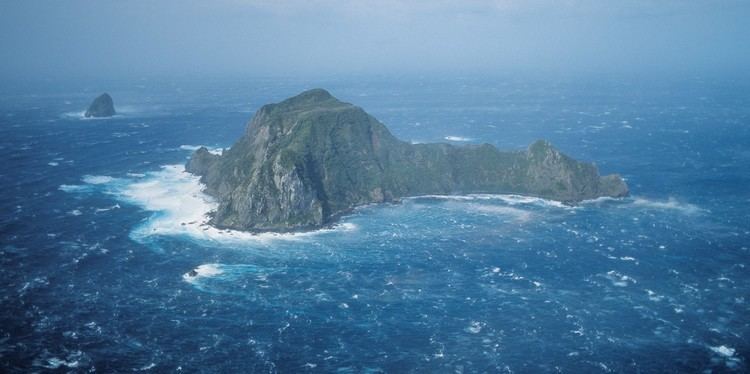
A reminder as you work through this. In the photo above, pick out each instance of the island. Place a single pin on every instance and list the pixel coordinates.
(304, 162)
(102, 106)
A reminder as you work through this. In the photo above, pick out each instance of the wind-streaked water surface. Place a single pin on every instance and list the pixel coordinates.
(101, 228)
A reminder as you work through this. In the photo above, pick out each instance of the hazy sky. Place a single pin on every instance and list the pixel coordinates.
(256, 38)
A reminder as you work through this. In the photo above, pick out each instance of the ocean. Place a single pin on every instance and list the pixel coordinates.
(100, 225)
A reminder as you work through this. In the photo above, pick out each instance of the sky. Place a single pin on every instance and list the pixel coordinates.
(75, 38)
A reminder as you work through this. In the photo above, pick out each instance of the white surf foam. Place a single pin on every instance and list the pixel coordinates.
(181, 207)
(510, 199)
(600, 200)
(670, 204)
(82, 115)
(213, 150)
(515, 213)
(454, 138)
(443, 197)
(97, 179)
(518, 199)
(203, 271)
(76, 114)
(91, 183)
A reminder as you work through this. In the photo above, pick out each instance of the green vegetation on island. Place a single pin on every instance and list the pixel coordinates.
(309, 159)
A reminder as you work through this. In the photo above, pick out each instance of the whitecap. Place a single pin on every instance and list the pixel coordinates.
(653, 296)
(55, 363)
(74, 360)
(73, 188)
(91, 182)
(97, 179)
(723, 350)
(618, 279)
(475, 327)
(147, 367)
(99, 210)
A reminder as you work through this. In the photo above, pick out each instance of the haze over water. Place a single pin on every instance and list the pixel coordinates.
(100, 226)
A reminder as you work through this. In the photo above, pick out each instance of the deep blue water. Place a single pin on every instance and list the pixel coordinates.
(96, 236)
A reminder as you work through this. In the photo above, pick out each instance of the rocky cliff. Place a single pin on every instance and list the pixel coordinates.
(102, 106)
(306, 160)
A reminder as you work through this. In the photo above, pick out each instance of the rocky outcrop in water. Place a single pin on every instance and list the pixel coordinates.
(102, 106)
(309, 159)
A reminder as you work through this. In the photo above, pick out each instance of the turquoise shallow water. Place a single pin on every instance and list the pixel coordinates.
(100, 226)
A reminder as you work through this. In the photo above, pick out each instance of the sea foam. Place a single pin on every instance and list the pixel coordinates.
(515, 213)
(510, 199)
(723, 350)
(180, 207)
(454, 138)
(97, 179)
(213, 150)
(670, 204)
(74, 188)
(203, 271)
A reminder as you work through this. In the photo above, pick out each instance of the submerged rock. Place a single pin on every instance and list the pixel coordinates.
(102, 106)
(309, 159)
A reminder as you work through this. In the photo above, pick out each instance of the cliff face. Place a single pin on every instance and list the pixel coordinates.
(303, 162)
(102, 106)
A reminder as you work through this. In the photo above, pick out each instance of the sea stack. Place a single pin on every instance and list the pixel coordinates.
(307, 160)
(102, 106)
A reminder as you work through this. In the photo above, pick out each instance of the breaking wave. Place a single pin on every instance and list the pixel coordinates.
(213, 150)
(510, 199)
(180, 207)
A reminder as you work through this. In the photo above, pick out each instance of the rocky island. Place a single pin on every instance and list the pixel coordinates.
(102, 106)
(307, 160)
